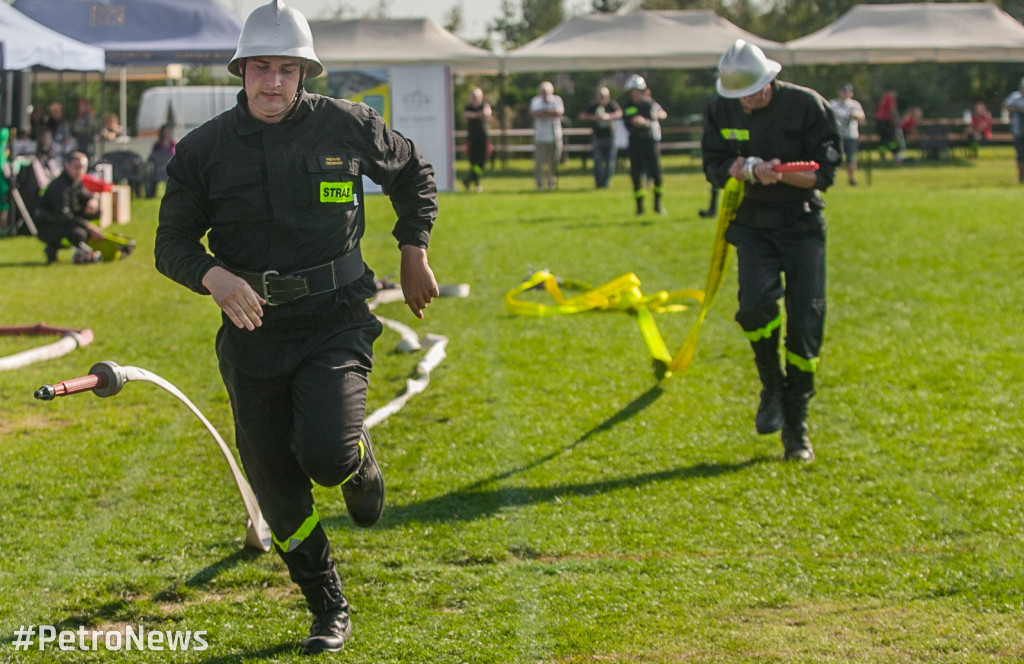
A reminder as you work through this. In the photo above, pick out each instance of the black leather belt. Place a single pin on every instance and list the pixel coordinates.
(277, 288)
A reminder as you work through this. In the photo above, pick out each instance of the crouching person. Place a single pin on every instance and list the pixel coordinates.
(64, 213)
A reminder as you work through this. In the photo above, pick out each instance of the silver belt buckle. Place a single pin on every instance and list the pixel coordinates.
(263, 282)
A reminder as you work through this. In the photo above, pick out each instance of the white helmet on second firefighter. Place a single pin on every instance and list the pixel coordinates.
(744, 70)
(276, 29)
(636, 82)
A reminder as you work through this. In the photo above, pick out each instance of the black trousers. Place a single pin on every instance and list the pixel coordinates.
(644, 159)
(795, 252)
(299, 401)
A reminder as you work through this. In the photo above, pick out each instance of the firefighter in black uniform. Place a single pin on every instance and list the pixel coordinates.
(275, 184)
(754, 123)
(642, 116)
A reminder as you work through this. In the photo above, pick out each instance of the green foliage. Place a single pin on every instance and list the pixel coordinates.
(547, 499)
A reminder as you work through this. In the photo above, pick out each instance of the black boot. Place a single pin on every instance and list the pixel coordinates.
(364, 490)
(712, 205)
(799, 390)
(769, 418)
(331, 626)
(769, 411)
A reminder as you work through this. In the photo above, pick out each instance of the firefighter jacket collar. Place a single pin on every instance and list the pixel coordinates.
(247, 124)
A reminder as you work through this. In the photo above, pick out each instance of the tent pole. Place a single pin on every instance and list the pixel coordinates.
(124, 99)
(8, 93)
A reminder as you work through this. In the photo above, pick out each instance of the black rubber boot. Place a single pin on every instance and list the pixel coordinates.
(769, 416)
(799, 390)
(364, 490)
(712, 206)
(331, 625)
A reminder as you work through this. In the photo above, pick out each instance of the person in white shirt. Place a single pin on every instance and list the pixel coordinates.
(1014, 105)
(547, 110)
(849, 113)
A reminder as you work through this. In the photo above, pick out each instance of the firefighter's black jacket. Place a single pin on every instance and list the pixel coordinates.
(797, 125)
(288, 196)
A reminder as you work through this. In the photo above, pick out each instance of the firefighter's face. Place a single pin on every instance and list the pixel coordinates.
(271, 83)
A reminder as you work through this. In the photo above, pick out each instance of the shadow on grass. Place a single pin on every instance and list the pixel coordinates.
(268, 652)
(474, 501)
(210, 572)
(468, 504)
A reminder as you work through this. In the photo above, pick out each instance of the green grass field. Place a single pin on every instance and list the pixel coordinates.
(549, 500)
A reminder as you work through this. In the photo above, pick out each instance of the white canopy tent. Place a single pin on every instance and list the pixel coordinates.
(914, 32)
(419, 57)
(693, 38)
(24, 44)
(389, 42)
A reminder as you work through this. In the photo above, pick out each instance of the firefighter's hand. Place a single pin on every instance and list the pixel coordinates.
(235, 297)
(418, 283)
(765, 172)
(736, 169)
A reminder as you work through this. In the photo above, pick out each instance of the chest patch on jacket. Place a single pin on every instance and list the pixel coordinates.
(336, 192)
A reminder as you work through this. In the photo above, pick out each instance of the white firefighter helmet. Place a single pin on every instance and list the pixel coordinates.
(276, 29)
(636, 82)
(744, 70)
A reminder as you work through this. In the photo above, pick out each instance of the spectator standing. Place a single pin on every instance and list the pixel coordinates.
(477, 114)
(1014, 105)
(85, 126)
(547, 110)
(275, 185)
(755, 123)
(887, 119)
(850, 114)
(642, 116)
(62, 138)
(163, 150)
(601, 115)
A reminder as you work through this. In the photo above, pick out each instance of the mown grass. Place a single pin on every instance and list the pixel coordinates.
(549, 501)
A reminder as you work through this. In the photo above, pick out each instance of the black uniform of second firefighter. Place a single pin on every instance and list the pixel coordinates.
(779, 229)
(275, 186)
(641, 114)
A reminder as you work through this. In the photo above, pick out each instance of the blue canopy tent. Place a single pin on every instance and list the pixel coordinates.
(143, 32)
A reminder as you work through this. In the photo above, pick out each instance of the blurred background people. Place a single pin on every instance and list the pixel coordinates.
(980, 128)
(163, 150)
(601, 115)
(547, 110)
(84, 127)
(477, 114)
(887, 120)
(1014, 105)
(850, 114)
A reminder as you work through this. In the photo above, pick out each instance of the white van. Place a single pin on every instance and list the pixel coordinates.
(192, 106)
